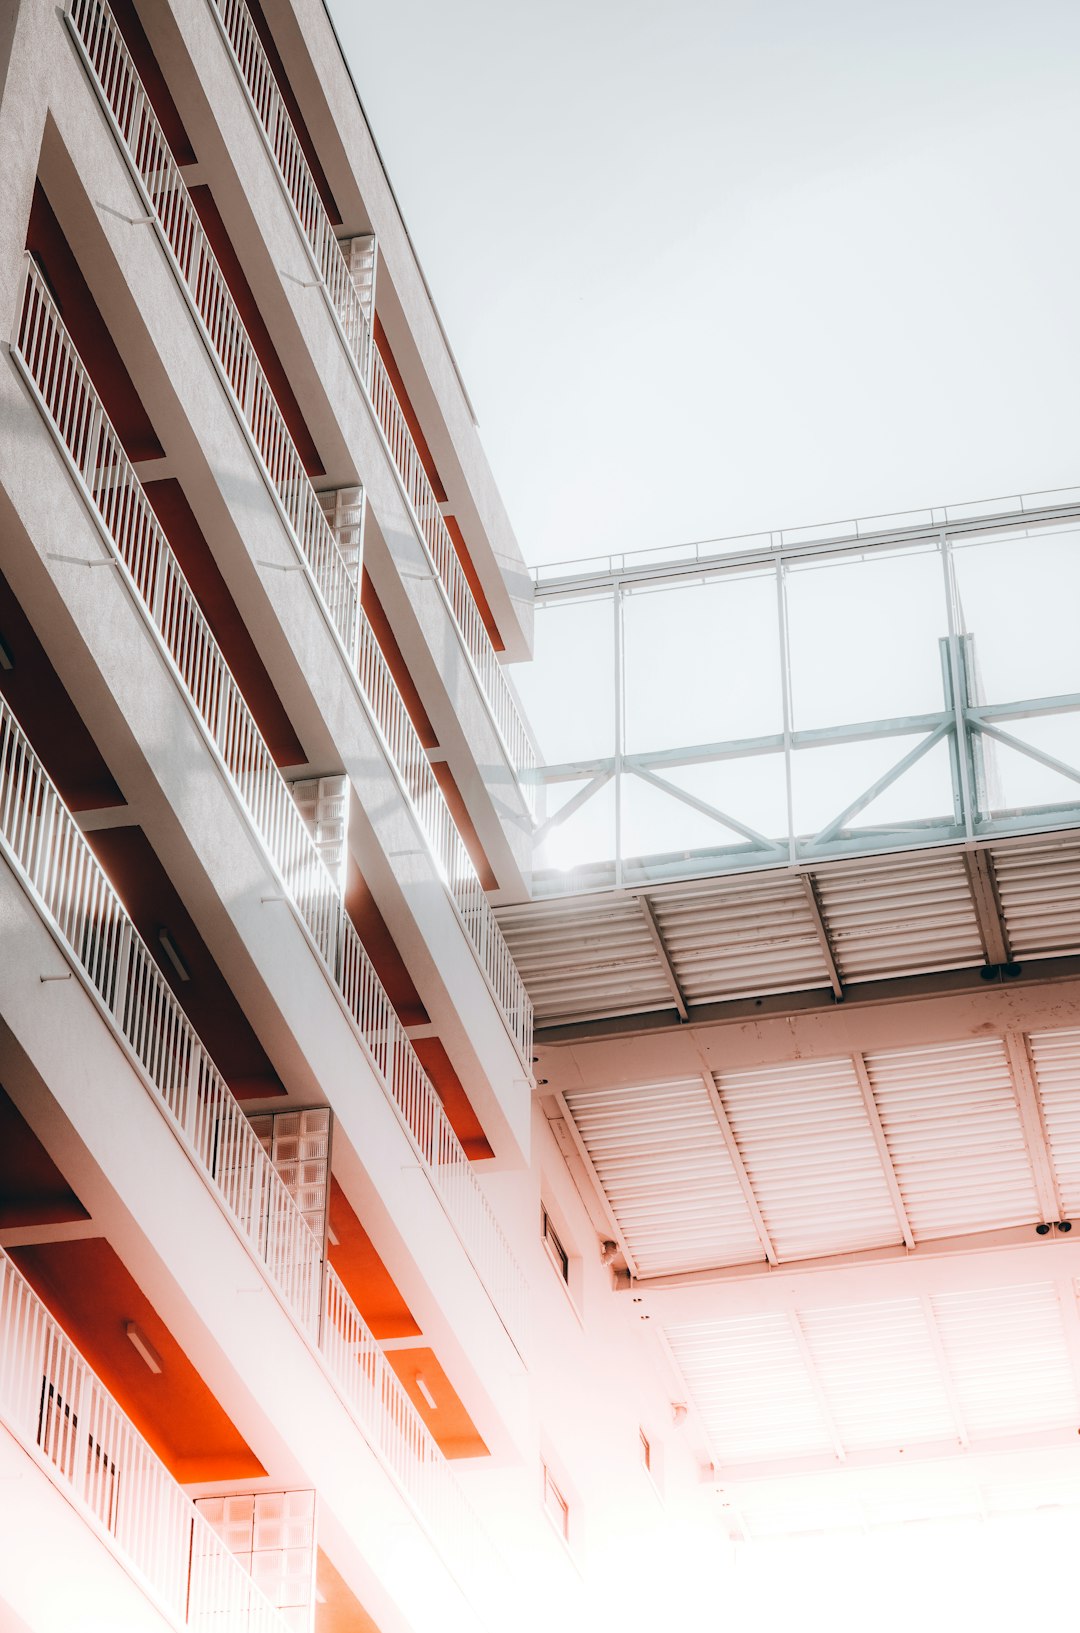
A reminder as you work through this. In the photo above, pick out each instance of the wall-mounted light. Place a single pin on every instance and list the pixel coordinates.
(142, 1345)
(421, 1384)
(608, 1252)
(172, 953)
(7, 657)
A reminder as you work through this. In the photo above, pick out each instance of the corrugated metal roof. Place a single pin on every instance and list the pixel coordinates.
(734, 938)
(1007, 1353)
(1056, 1059)
(805, 1139)
(1039, 889)
(955, 1136)
(737, 936)
(594, 956)
(880, 1379)
(888, 916)
(749, 1383)
(880, 1374)
(660, 1157)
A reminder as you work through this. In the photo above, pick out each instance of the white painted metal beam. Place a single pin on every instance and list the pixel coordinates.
(980, 871)
(960, 1264)
(665, 957)
(885, 1156)
(1035, 1135)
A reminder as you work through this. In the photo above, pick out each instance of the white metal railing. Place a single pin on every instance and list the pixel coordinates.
(141, 134)
(280, 132)
(72, 408)
(118, 84)
(44, 844)
(435, 535)
(406, 752)
(262, 87)
(373, 1391)
(61, 1412)
(43, 841)
(737, 550)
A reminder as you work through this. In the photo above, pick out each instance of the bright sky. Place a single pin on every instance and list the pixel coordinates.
(715, 266)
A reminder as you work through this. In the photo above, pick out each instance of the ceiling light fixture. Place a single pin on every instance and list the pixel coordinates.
(143, 1346)
(421, 1384)
(7, 659)
(172, 953)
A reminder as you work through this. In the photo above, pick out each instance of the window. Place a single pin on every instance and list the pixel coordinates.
(556, 1506)
(555, 1250)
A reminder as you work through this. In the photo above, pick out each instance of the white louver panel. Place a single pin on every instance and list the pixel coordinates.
(748, 1381)
(893, 916)
(741, 938)
(880, 1374)
(1039, 891)
(805, 1139)
(1056, 1059)
(954, 1133)
(1007, 1353)
(661, 1160)
(587, 958)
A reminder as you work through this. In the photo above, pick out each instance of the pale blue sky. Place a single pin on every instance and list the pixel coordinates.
(717, 267)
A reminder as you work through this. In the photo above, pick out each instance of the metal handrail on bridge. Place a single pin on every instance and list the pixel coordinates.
(737, 550)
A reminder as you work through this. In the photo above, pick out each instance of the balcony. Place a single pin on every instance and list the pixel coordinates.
(62, 1415)
(115, 497)
(48, 854)
(146, 150)
(262, 90)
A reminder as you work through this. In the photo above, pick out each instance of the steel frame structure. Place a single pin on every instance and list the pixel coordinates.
(966, 724)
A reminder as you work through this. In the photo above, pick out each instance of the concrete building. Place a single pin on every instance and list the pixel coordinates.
(405, 1225)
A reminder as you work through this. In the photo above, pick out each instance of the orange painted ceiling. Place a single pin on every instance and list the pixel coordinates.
(381, 948)
(48, 716)
(90, 1292)
(464, 824)
(148, 894)
(450, 1425)
(388, 645)
(451, 1091)
(366, 1278)
(457, 539)
(288, 97)
(337, 1610)
(211, 592)
(33, 1191)
(408, 410)
(45, 239)
(153, 79)
(228, 260)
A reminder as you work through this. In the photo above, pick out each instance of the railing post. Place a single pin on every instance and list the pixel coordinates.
(119, 1004)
